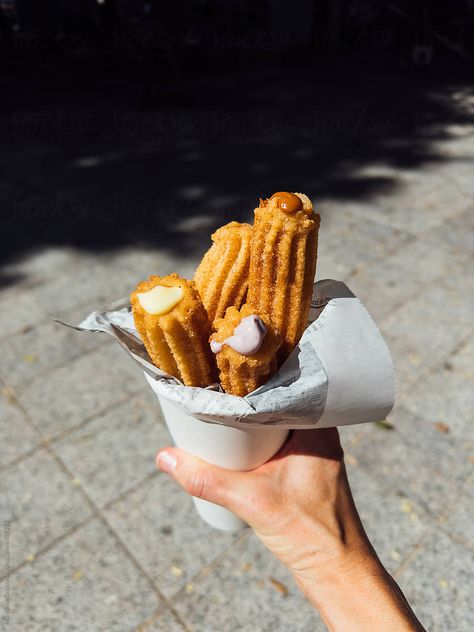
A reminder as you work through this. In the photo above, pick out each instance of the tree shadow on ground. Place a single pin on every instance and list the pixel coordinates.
(86, 167)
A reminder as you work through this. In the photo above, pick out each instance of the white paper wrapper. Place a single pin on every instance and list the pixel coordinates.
(341, 372)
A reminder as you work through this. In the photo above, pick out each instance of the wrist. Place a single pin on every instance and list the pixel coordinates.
(342, 568)
(358, 594)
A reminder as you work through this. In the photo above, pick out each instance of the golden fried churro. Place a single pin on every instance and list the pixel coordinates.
(222, 276)
(245, 345)
(283, 263)
(172, 322)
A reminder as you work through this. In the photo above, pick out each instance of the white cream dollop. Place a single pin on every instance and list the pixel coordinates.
(160, 299)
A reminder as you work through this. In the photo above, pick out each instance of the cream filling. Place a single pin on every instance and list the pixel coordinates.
(160, 299)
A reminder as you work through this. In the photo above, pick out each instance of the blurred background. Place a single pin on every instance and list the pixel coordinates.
(131, 130)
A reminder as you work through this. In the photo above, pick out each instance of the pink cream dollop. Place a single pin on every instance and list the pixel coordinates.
(247, 338)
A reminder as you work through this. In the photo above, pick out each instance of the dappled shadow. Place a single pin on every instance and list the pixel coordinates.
(85, 166)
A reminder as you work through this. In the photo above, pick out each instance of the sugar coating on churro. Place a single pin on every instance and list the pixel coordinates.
(283, 264)
(241, 374)
(222, 276)
(176, 339)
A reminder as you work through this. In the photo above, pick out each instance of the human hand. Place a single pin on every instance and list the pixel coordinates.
(300, 505)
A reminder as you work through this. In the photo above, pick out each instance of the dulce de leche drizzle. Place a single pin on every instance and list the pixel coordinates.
(247, 339)
(288, 202)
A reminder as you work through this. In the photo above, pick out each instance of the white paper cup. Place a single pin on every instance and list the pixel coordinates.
(228, 447)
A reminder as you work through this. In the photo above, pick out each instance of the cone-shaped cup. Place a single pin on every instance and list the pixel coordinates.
(225, 446)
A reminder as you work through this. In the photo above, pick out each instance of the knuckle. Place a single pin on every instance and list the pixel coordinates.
(200, 485)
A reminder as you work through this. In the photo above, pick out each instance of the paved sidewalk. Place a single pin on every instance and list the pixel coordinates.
(98, 540)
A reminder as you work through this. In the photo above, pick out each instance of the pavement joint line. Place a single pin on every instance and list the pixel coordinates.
(450, 180)
(408, 297)
(367, 214)
(356, 269)
(442, 525)
(59, 365)
(47, 317)
(140, 568)
(40, 552)
(28, 327)
(21, 457)
(145, 625)
(457, 539)
(394, 489)
(96, 512)
(84, 422)
(130, 490)
(415, 551)
(207, 568)
(45, 440)
(435, 367)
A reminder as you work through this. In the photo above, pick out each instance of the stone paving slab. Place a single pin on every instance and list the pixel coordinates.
(457, 522)
(85, 582)
(414, 459)
(414, 213)
(457, 233)
(248, 590)
(393, 522)
(369, 241)
(446, 396)
(41, 266)
(392, 283)
(438, 584)
(161, 528)
(117, 450)
(453, 295)
(64, 397)
(420, 335)
(17, 436)
(90, 282)
(40, 503)
(39, 349)
(23, 312)
(100, 280)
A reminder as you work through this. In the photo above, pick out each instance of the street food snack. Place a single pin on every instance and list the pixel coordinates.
(246, 346)
(222, 276)
(252, 288)
(283, 263)
(173, 324)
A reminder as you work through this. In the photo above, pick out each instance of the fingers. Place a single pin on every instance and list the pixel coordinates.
(200, 479)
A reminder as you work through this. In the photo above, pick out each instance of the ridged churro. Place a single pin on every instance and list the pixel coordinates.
(173, 324)
(222, 276)
(283, 263)
(246, 348)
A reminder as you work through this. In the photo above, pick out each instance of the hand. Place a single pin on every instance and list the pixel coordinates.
(300, 505)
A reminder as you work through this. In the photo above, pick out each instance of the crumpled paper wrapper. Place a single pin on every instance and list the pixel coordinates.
(340, 373)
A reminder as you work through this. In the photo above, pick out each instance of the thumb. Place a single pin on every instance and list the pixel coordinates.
(203, 480)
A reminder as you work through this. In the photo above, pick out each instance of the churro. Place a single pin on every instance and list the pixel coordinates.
(222, 276)
(246, 348)
(172, 322)
(283, 263)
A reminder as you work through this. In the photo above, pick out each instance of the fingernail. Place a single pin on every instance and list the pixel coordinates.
(167, 461)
